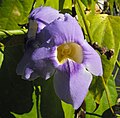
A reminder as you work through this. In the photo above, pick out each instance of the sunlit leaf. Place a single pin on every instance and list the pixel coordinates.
(103, 102)
(68, 110)
(105, 30)
(62, 5)
(52, 3)
(112, 96)
(15, 12)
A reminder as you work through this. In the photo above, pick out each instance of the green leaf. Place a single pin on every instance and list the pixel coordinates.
(111, 5)
(90, 103)
(112, 96)
(68, 110)
(103, 102)
(105, 30)
(90, 4)
(10, 33)
(65, 6)
(97, 88)
(14, 12)
(62, 5)
(52, 3)
(39, 3)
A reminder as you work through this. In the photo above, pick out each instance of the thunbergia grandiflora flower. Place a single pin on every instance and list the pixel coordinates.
(39, 18)
(59, 50)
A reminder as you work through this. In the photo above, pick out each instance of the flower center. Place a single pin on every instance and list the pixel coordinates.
(69, 51)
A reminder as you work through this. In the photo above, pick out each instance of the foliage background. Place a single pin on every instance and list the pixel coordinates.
(37, 99)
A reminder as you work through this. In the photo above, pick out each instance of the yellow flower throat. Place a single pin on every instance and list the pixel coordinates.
(71, 51)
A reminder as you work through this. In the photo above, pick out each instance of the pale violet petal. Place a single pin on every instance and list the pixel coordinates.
(63, 30)
(24, 61)
(92, 60)
(44, 16)
(36, 63)
(71, 83)
(39, 68)
(28, 73)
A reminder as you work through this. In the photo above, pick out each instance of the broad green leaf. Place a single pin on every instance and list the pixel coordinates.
(97, 88)
(52, 3)
(39, 3)
(62, 5)
(14, 12)
(105, 30)
(87, 2)
(103, 102)
(112, 96)
(111, 5)
(90, 4)
(118, 3)
(65, 6)
(90, 103)
(68, 110)
(80, 18)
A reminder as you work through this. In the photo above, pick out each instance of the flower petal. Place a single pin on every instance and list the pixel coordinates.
(24, 61)
(64, 30)
(40, 68)
(44, 16)
(71, 83)
(92, 60)
(36, 63)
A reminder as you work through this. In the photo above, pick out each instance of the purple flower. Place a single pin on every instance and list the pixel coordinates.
(39, 18)
(60, 50)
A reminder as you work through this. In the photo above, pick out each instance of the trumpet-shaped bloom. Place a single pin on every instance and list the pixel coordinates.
(39, 18)
(60, 50)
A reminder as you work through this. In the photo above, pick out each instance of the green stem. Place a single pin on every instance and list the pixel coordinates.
(37, 92)
(118, 67)
(84, 20)
(94, 114)
(6, 33)
(118, 63)
(107, 94)
(116, 72)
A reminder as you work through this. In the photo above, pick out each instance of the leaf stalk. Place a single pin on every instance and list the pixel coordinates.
(107, 95)
(79, 3)
(6, 33)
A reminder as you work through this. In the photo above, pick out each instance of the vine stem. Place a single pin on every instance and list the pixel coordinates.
(107, 94)
(118, 67)
(5, 33)
(37, 93)
(79, 3)
(118, 63)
